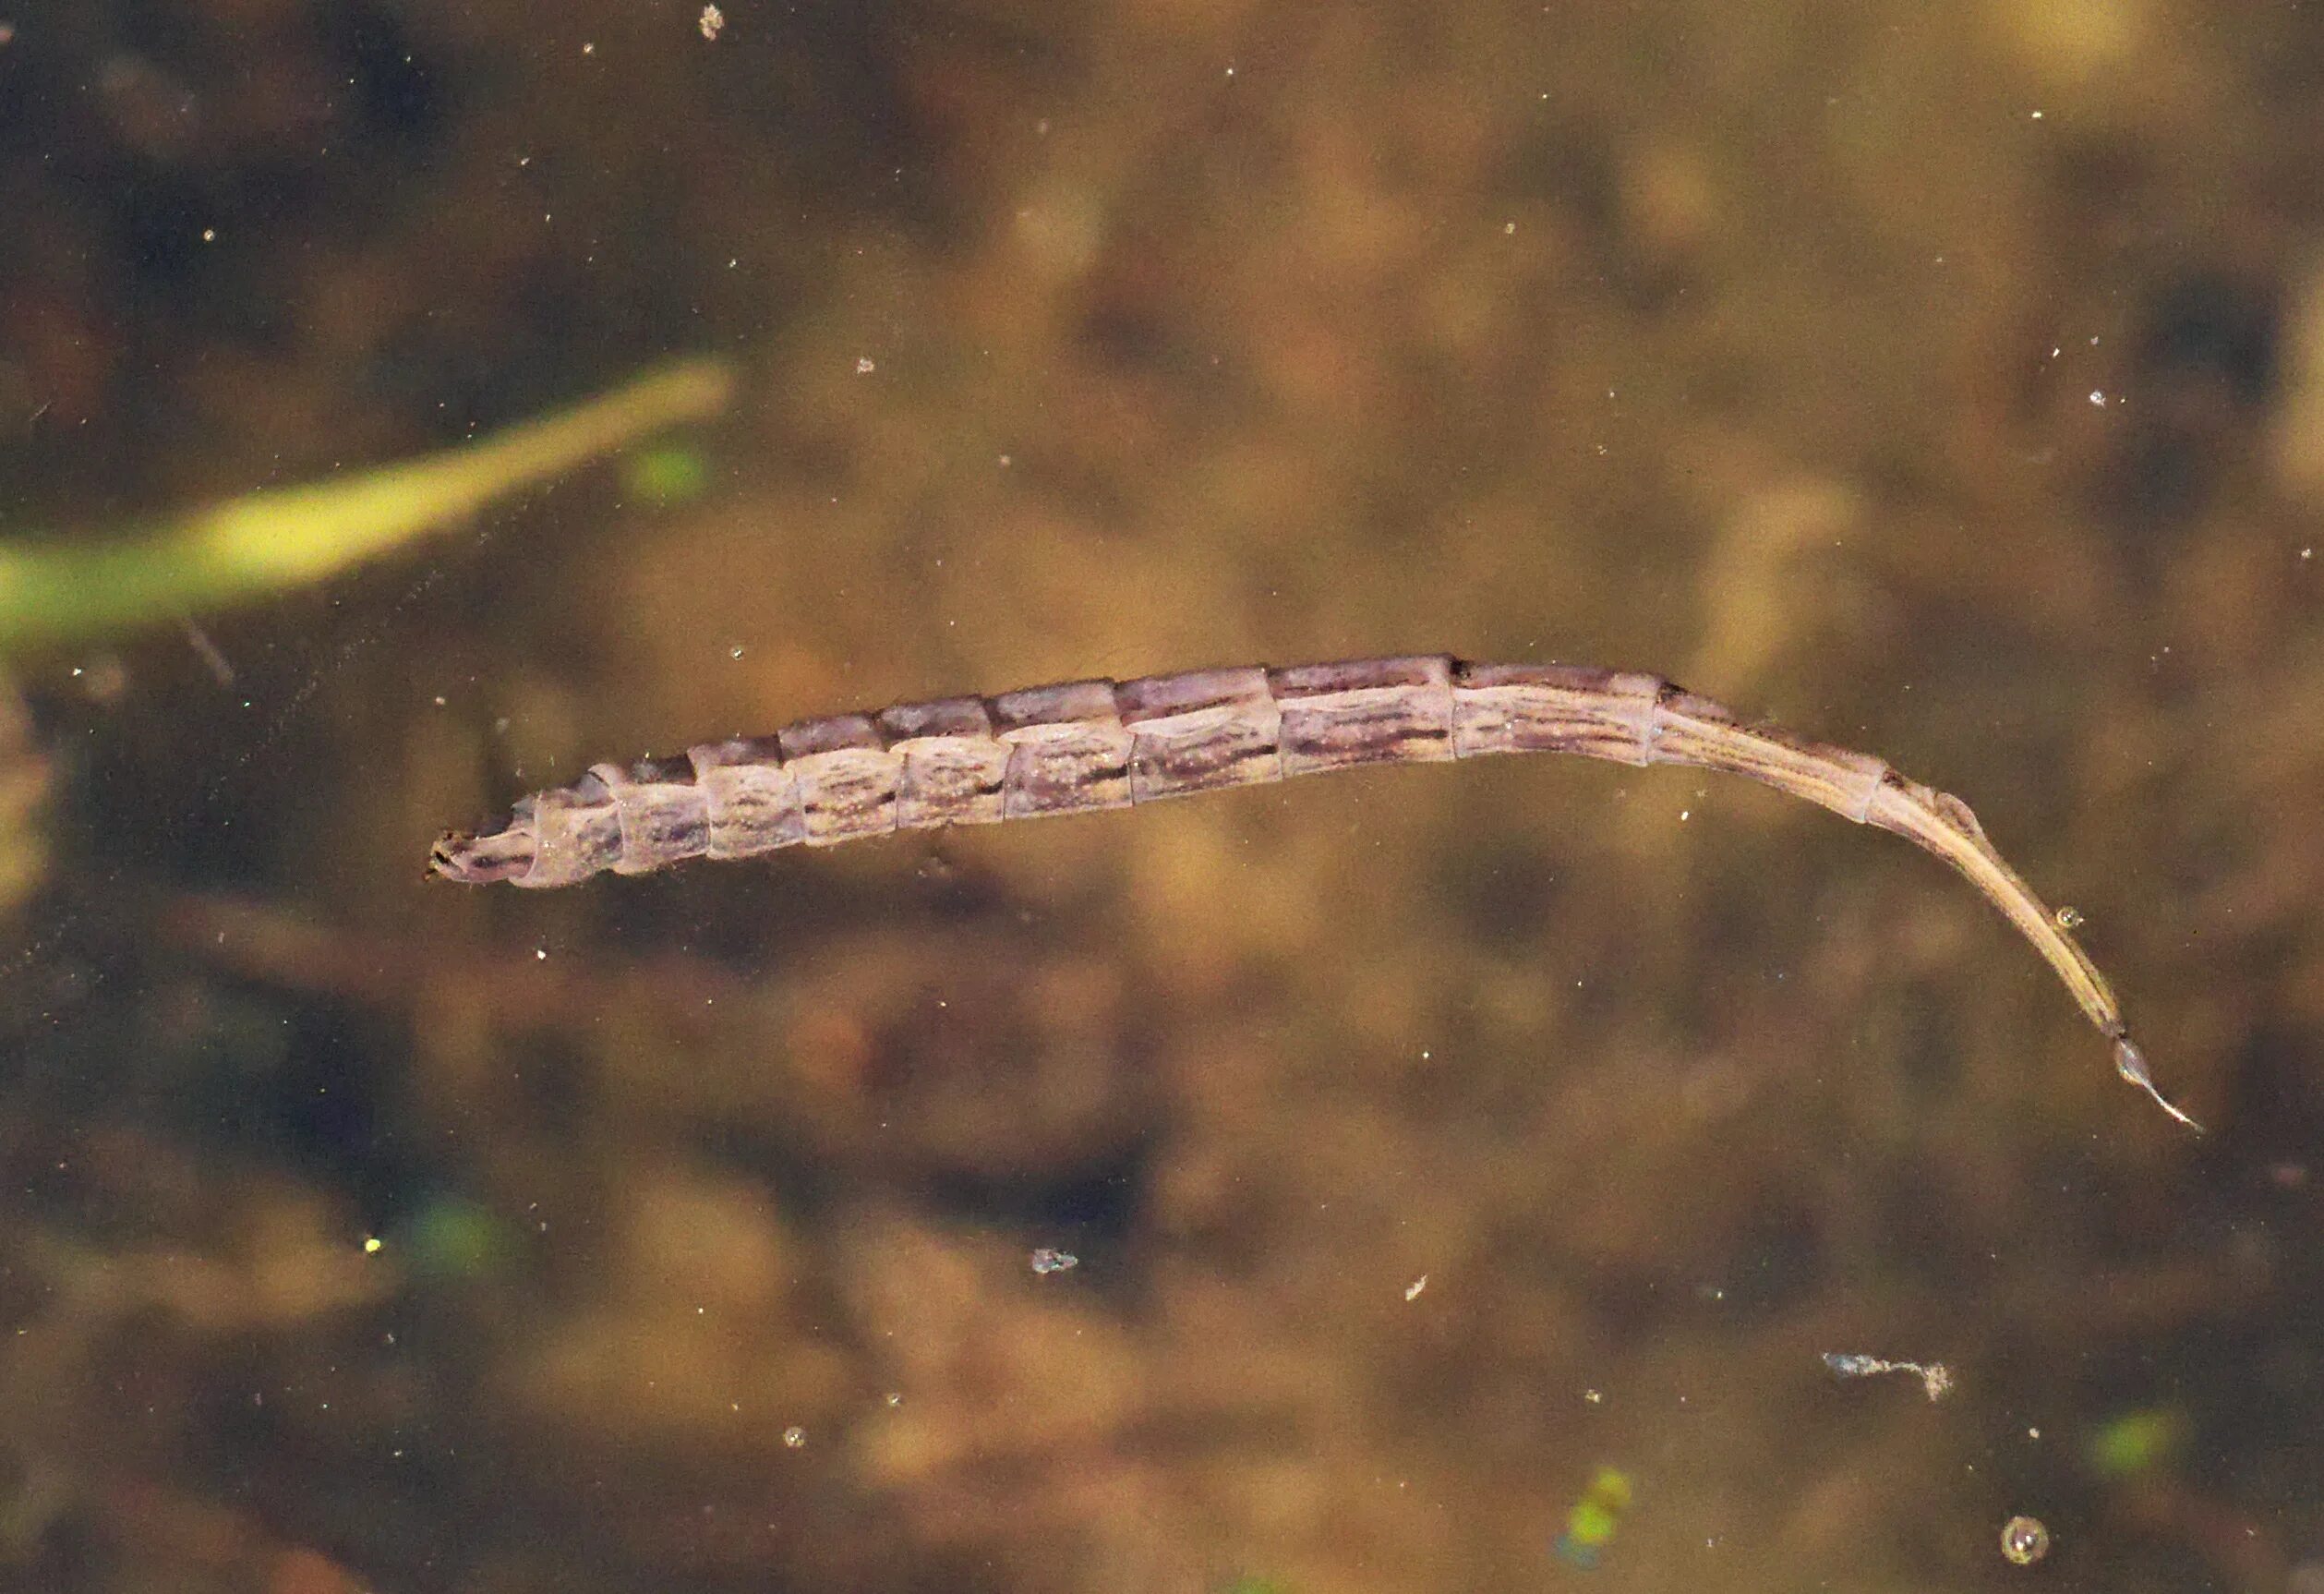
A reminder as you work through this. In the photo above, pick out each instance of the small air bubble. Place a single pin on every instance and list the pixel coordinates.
(2070, 918)
(2098, 397)
(2023, 1540)
(794, 1438)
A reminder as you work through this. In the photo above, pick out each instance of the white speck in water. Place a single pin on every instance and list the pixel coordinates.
(1046, 1261)
(1510, 228)
(864, 365)
(712, 19)
(2098, 397)
(2070, 918)
(2307, 553)
(1594, 1397)
(1684, 813)
(794, 1438)
(1412, 1291)
(734, 652)
(2036, 115)
(540, 954)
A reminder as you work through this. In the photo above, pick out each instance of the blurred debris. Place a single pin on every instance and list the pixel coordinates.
(1591, 1524)
(62, 590)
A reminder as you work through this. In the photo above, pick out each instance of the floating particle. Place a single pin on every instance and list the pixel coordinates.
(1935, 1377)
(794, 1438)
(1412, 1291)
(1595, 1516)
(1046, 1261)
(2023, 1540)
(864, 365)
(2070, 918)
(712, 20)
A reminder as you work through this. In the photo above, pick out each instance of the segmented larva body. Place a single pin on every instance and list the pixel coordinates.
(1085, 745)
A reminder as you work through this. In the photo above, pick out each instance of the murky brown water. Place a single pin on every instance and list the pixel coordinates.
(1947, 383)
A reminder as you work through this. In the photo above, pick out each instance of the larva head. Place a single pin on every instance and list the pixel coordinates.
(479, 860)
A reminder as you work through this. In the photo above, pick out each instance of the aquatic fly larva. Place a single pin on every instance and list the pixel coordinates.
(1091, 744)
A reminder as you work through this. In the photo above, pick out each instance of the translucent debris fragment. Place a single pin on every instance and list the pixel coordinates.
(1046, 1261)
(1936, 1379)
